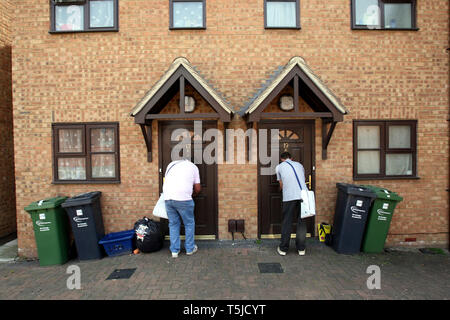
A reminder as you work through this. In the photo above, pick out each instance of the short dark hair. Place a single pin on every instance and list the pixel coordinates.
(285, 155)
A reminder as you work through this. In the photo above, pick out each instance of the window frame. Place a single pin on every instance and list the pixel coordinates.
(86, 18)
(171, 27)
(297, 18)
(384, 148)
(86, 152)
(381, 4)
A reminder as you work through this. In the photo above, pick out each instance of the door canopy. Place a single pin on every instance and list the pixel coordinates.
(307, 85)
(174, 81)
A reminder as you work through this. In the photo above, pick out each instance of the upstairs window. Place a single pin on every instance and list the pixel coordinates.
(186, 14)
(282, 14)
(83, 15)
(384, 14)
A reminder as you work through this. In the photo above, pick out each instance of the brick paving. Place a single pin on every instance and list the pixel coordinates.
(223, 270)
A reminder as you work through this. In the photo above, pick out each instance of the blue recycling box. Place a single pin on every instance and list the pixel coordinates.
(118, 243)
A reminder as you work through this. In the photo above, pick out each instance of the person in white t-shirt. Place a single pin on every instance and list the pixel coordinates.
(291, 176)
(181, 180)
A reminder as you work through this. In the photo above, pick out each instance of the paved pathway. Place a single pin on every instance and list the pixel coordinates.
(230, 270)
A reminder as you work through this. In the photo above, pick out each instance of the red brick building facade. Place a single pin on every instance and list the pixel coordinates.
(7, 194)
(345, 73)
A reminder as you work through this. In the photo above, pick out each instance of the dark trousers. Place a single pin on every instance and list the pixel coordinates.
(290, 210)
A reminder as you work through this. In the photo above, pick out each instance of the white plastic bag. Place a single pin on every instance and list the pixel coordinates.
(308, 205)
(160, 208)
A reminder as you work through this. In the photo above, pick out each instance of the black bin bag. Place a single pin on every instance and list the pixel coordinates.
(149, 237)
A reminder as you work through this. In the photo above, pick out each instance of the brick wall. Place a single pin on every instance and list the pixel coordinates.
(7, 195)
(101, 76)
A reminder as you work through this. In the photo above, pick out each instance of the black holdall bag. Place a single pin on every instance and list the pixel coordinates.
(149, 237)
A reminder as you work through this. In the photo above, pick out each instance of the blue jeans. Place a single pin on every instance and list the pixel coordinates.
(177, 211)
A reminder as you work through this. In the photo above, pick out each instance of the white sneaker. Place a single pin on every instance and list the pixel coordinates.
(193, 251)
(281, 253)
(175, 254)
(302, 253)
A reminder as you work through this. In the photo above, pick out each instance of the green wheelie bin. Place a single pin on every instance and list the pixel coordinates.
(51, 230)
(379, 220)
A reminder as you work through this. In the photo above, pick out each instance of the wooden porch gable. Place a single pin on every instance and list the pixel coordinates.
(172, 82)
(305, 84)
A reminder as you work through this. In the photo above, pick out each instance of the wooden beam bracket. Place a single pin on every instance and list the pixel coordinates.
(249, 140)
(327, 134)
(147, 133)
(225, 153)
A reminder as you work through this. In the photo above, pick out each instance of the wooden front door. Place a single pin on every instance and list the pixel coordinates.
(206, 202)
(297, 138)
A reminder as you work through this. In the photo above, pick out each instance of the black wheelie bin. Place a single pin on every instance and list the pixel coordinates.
(352, 208)
(86, 219)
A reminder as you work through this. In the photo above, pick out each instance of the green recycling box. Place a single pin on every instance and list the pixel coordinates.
(51, 230)
(379, 220)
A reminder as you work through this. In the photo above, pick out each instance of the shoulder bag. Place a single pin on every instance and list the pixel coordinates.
(308, 206)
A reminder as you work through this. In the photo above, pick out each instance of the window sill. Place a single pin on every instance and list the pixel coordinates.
(283, 28)
(84, 31)
(386, 178)
(86, 182)
(385, 29)
(187, 28)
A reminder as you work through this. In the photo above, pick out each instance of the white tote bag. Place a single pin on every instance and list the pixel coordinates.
(160, 208)
(308, 205)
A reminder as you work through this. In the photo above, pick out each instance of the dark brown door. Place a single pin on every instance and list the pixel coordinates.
(298, 139)
(206, 202)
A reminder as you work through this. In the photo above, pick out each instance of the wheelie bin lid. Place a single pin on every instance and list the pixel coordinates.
(82, 199)
(383, 193)
(356, 190)
(48, 203)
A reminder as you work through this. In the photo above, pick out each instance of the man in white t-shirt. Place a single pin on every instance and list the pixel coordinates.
(291, 176)
(181, 180)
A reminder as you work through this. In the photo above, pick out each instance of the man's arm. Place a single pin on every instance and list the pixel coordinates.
(279, 177)
(197, 185)
(197, 188)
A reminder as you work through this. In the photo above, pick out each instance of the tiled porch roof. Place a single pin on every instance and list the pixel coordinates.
(278, 75)
(181, 61)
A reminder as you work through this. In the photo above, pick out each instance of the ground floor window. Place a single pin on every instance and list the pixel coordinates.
(85, 152)
(384, 149)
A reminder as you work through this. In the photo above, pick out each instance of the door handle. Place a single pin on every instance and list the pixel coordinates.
(308, 183)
